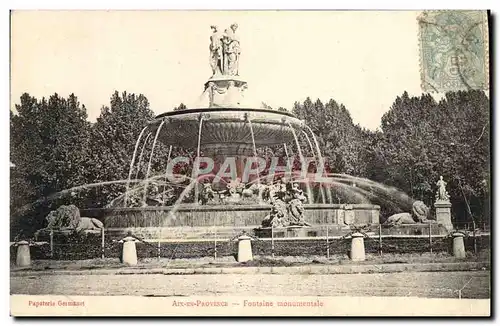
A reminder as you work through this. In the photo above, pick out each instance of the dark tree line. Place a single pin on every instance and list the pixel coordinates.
(54, 147)
(419, 140)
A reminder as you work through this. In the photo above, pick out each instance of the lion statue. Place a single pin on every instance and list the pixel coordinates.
(400, 218)
(419, 214)
(67, 218)
(420, 211)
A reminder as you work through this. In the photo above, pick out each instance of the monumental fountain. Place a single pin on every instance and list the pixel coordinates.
(241, 191)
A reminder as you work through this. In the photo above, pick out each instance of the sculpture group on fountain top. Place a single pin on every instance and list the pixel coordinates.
(224, 51)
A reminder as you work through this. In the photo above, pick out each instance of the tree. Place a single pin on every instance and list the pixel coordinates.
(25, 140)
(181, 107)
(49, 142)
(422, 140)
(112, 143)
(49, 146)
(340, 140)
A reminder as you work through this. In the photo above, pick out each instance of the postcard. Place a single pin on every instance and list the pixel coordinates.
(250, 163)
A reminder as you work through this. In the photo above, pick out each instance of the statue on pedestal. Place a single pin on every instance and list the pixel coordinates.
(442, 194)
(225, 51)
(225, 87)
(443, 205)
(231, 49)
(215, 51)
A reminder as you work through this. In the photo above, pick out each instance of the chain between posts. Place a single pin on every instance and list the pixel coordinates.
(356, 229)
(129, 234)
(451, 233)
(363, 229)
(244, 233)
(30, 241)
(157, 248)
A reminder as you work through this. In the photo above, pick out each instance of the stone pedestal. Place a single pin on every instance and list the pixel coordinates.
(443, 214)
(129, 254)
(225, 91)
(23, 258)
(357, 247)
(458, 245)
(244, 249)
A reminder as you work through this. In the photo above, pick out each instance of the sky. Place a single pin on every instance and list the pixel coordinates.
(362, 59)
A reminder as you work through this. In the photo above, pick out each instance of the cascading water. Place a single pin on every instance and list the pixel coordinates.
(133, 159)
(198, 155)
(380, 191)
(320, 157)
(168, 161)
(141, 155)
(286, 151)
(151, 160)
(184, 193)
(303, 164)
(255, 157)
(321, 186)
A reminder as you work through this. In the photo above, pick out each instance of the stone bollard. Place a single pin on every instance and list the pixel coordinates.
(357, 247)
(458, 245)
(129, 254)
(23, 258)
(244, 248)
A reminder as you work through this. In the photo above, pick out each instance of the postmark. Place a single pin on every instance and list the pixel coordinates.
(453, 50)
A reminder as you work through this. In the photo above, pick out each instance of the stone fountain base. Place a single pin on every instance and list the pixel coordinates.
(223, 233)
(189, 221)
(286, 232)
(197, 222)
(372, 230)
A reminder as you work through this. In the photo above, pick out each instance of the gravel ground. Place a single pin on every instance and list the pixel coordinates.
(421, 284)
(114, 263)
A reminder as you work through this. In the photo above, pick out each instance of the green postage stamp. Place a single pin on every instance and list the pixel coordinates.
(454, 50)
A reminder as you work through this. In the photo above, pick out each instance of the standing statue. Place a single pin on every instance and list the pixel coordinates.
(231, 51)
(215, 51)
(296, 205)
(442, 194)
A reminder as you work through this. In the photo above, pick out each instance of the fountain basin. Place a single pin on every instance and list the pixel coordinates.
(191, 221)
(227, 130)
